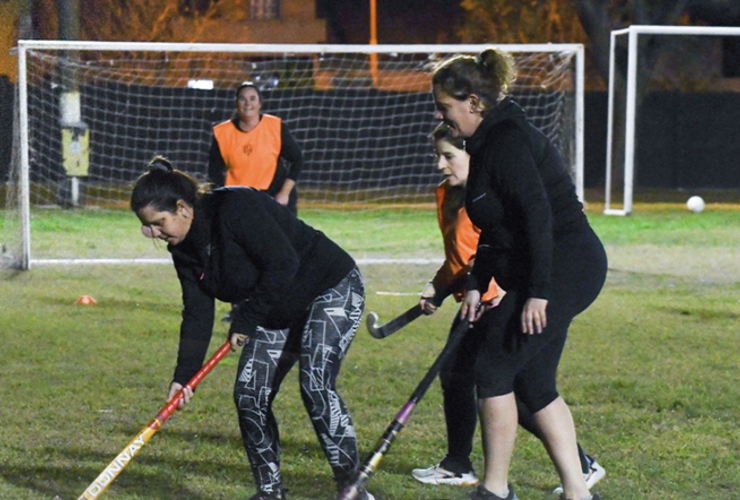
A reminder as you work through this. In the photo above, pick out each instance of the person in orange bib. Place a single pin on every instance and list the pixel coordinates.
(460, 238)
(255, 149)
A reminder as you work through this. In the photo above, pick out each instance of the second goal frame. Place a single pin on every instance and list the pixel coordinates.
(633, 33)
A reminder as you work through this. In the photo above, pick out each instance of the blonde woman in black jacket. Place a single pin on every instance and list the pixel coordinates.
(536, 240)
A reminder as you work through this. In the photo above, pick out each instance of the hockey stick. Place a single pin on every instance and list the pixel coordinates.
(106, 477)
(381, 332)
(384, 443)
(388, 329)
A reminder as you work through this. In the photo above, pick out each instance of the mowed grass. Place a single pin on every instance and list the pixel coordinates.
(650, 370)
(84, 233)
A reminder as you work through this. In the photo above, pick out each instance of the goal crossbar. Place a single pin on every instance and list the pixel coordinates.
(278, 48)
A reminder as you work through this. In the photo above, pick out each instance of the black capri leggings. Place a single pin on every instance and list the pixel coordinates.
(509, 360)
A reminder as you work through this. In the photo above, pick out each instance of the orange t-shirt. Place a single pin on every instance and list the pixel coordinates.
(460, 239)
(251, 158)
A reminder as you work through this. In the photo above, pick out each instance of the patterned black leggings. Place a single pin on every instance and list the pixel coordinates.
(318, 342)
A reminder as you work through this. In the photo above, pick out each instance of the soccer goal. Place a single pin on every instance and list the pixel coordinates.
(621, 164)
(91, 115)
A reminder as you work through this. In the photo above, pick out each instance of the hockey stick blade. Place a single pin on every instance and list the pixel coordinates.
(381, 332)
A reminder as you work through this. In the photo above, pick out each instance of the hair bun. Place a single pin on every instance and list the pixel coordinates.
(160, 164)
(488, 58)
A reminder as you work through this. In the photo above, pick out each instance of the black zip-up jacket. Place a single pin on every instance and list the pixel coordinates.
(243, 247)
(521, 196)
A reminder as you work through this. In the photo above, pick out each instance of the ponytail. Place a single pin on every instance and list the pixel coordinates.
(160, 164)
(487, 75)
(162, 186)
(497, 66)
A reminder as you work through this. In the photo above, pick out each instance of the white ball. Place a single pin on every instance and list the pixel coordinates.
(695, 204)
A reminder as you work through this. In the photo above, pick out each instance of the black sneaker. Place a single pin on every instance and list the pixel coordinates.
(276, 495)
(594, 496)
(481, 493)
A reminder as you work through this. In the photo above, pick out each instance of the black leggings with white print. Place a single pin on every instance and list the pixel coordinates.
(318, 343)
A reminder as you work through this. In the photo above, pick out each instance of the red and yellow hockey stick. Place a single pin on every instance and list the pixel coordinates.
(106, 477)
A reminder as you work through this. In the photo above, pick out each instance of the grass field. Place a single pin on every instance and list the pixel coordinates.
(650, 370)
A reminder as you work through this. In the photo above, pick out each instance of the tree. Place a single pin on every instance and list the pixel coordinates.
(600, 17)
(585, 21)
(525, 21)
(145, 21)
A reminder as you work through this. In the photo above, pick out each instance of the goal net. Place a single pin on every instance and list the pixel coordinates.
(654, 62)
(92, 114)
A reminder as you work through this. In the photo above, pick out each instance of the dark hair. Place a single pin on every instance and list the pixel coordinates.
(442, 133)
(162, 186)
(248, 85)
(488, 75)
(454, 202)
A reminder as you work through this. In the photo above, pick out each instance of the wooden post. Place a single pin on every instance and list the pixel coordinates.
(373, 41)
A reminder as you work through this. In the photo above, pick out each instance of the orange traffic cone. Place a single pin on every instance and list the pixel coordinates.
(86, 300)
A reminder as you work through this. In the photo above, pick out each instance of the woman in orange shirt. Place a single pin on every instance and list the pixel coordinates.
(460, 243)
(255, 149)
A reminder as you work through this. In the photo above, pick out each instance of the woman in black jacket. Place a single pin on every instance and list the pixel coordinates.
(301, 299)
(536, 240)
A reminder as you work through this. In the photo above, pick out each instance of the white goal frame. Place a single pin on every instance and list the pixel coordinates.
(24, 46)
(633, 33)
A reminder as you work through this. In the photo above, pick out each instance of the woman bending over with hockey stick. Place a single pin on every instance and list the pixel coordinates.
(537, 242)
(301, 300)
(460, 239)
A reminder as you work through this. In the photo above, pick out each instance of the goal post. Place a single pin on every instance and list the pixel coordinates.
(91, 115)
(627, 163)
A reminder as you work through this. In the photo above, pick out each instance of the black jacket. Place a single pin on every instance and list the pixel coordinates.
(244, 247)
(521, 196)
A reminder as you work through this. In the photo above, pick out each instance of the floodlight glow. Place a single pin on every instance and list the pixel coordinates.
(200, 84)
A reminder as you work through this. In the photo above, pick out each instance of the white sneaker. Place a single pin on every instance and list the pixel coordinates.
(595, 475)
(438, 475)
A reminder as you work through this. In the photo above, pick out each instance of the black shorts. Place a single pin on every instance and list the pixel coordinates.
(509, 360)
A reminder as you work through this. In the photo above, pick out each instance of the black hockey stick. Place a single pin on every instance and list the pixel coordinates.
(381, 332)
(352, 491)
